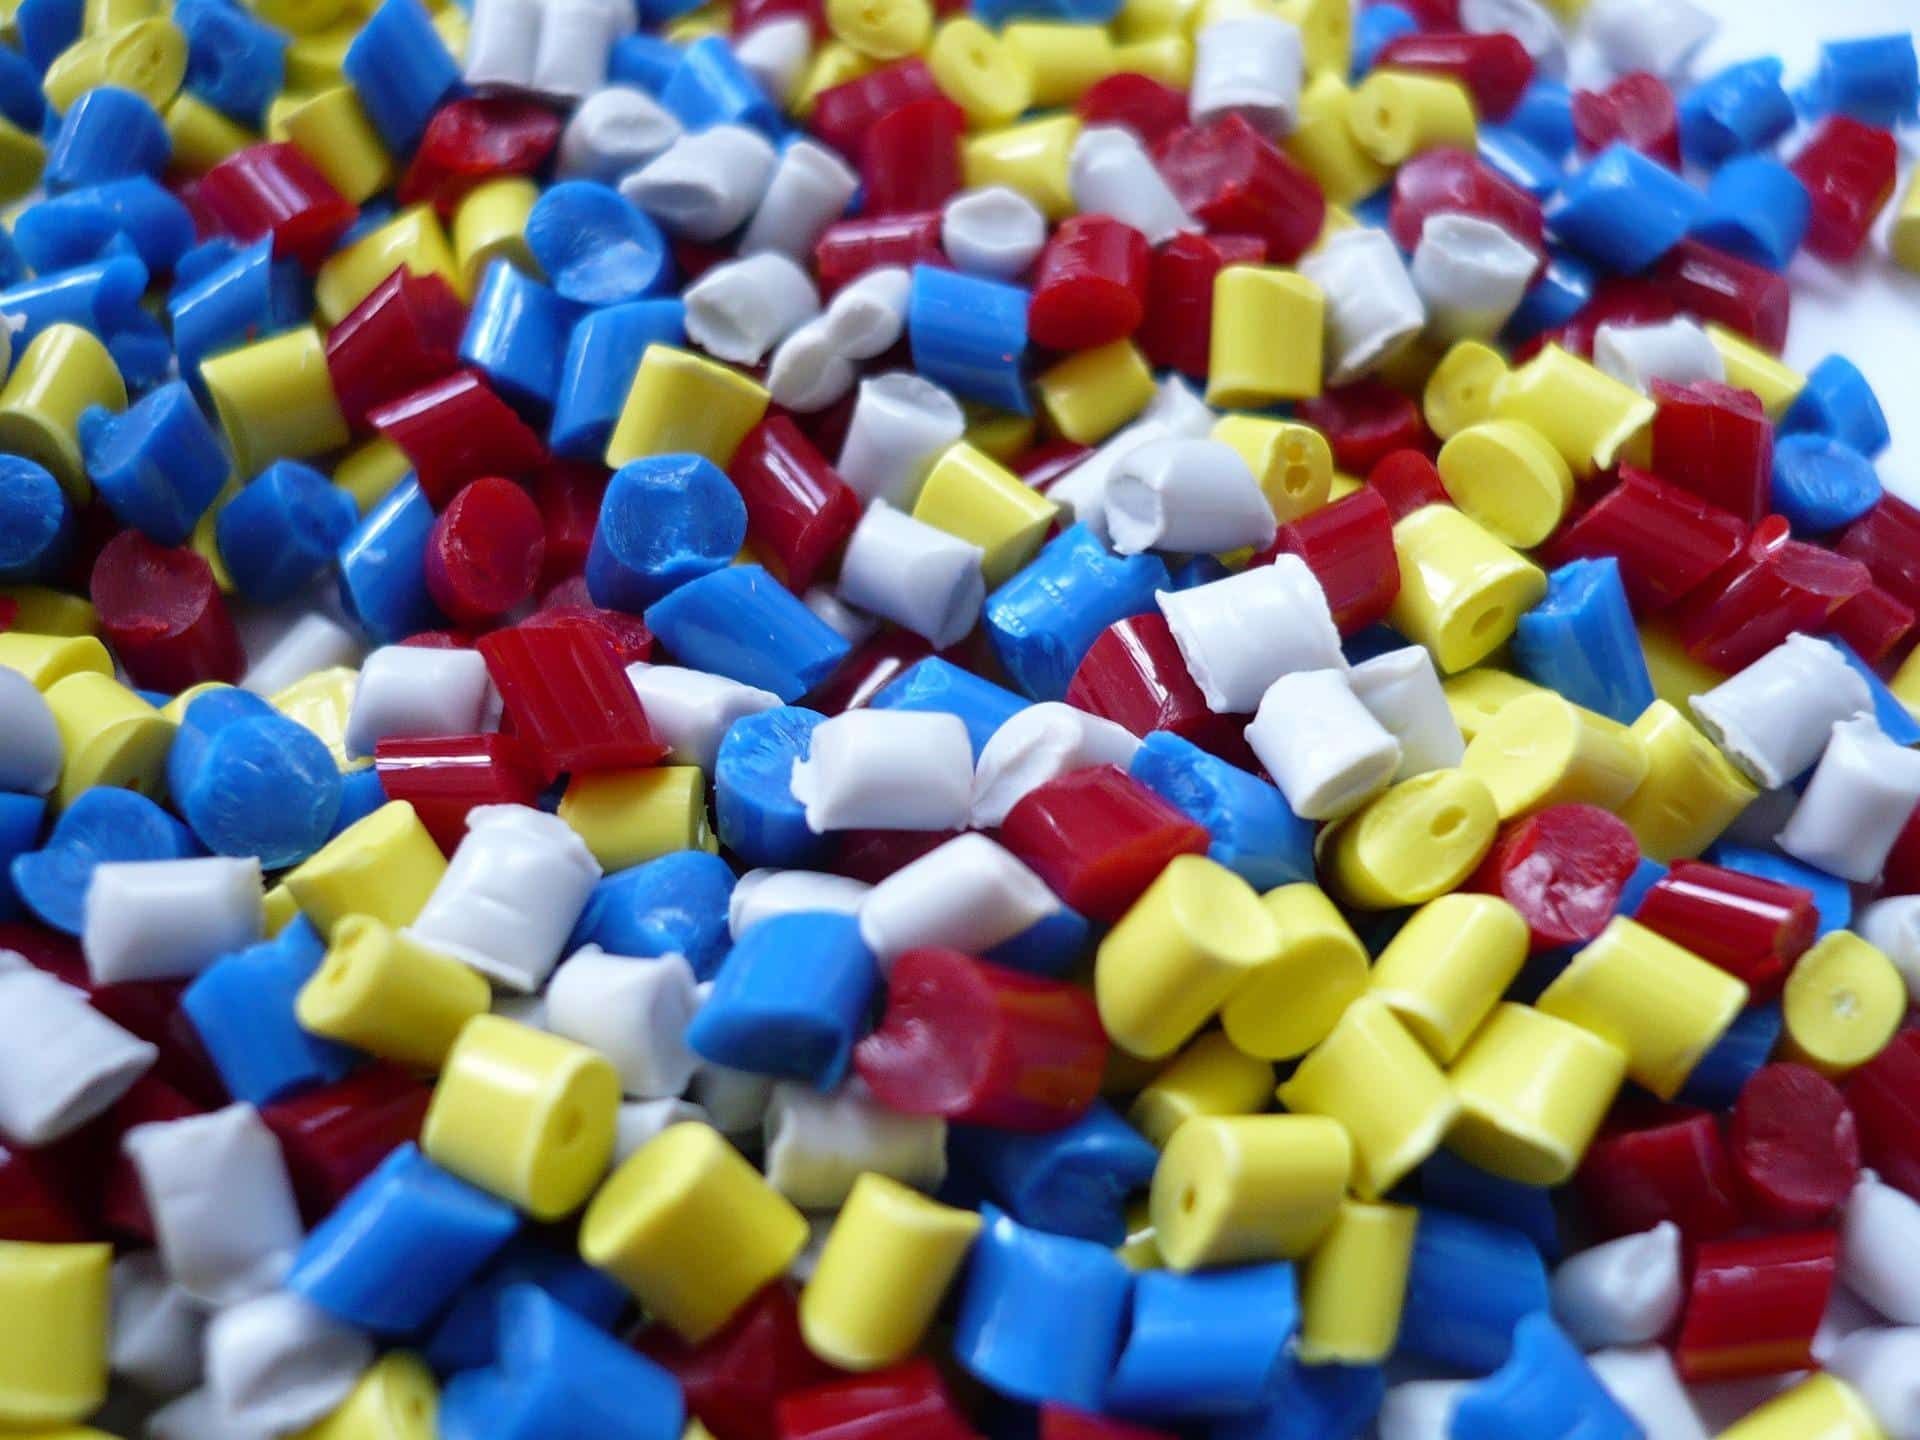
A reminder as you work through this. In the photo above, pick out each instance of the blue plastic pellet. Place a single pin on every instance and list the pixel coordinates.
(753, 806)
(1513, 155)
(13, 266)
(1875, 79)
(21, 100)
(250, 781)
(281, 531)
(1735, 111)
(1896, 721)
(1072, 12)
(361, 793)
(1041, 1316)
(1373, 211)
(655, 13)
(1580, 640)
(158, 464)
(742, 623)
(206, 257)
(1041, 622)
(1371, 643)
(595, 246)
(1545, 116)
(1050, 947)
(665, 520)
(401, 71)
(1373, 27)
(373, 214)
(234, 62)
(970, 336)
(36, 520)
(1821, 484)
(1832, 897)
(644, 61)
(1460, 1187)
(1195, 571)
(135, 214)
(242, 1008)
(1646, 875)
(109, 134)
(941, 687)
(464, 1338)
(1623, 210)
(1254, 831)
(141, 352)
(674, 905)
(21, 817)
(1074, 1181)
(1312, 1402)
(603, 352)
(1838, 402)
(1205, 1346)
(46, 27)
(790, 1000)
(1545, 1391)
(100, 296)
(557, 1376)
(103, 824)
(1745, 1045)
(1470, 1284)
(383, 567)
(242, 296)
(1756, 209)
(1563, 290)
(517, 333)
(711, 87)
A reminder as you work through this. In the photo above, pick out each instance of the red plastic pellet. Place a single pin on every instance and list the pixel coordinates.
(1873, 623)
(1774, 587)
(868, 670)
(162, 612)
(734, 1379)
(845, 113)
(1617, 300)
(1135, 676)
(1057, 1422)
(474, 140)
(1048, 461)
(1365, 422)
(907, 1402)
(1901, 874)
(444, 777)
(1754, 1305)
(850, 248)
(1089, 285)
(1230, 177)
(1794, 1144)
(1407, 480)
(1136, 102)
(1849, 169)
(1715, 441)
(872, 855)
(750, 13)
(1177, 330)
(1715, 286)
(1637, 110)
(1431, 14)
(1887, 541)
(1751, 927)
(1678, 1170)
(484, 552)
(273, 189)
(980, 1044)
(1098, 838)
(1348, 546)
(799, 511)
(456, 429)
(1563, 869)
(569, 699)
(405, 334)
(334, 1135)
(33, 1204)
(568, 493)
(1494, 68)
(911, 159)
(1450, 181)
(627, 634)
(1669, 541)
(1884, 1094)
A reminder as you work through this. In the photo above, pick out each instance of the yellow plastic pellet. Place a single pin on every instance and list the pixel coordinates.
(1326, 33)
(1692, 792)
(978, 499)
(1533, 1090)
(1449, 965)
(1475, 696)
(278, 909)
(275, 399)
(384, 866)
(148, 57)
(1064, 60)
(1545, 750)
(524, 1115)
(1843, 1001)
(680, 401)
(45, 658)
(491, 224)
(628, 817)
(834, 63)
(1380, 1084)
(998, 434)
(1235, 1189)
(690, 1227)
(1147, 19)
(1323, 143)
(202, 137)
(45, 611)
(175, 710)
(1462, 591)
(1904, 241)
(1268, 327)
(451, 25)
(1677, 676)
(1190, 940)
(299, 17)
(1396, 115)
(1092, 393)
(1354, 1285)
(1032, 157)
(316, 61)
(888, 1260)
(205, 539)
(1905, 683)
(63, 371)
(370, 470)
(1292, 463)
(1660, 1003)
(1166, 58)
(103, 17)
(1212, 1076)
(53, 1332)
(1140, 1251)
(334, 132)
(1417, 841)
(1820, 1407)
(383, 992)
(109, 735)
(322, 701)
(980, 72)
(413, 238)
(396, 1399)
(882, 29)
(22, 157)
(1749, 367)
(1592, 419)
(1505, 475)
(1289, 1004)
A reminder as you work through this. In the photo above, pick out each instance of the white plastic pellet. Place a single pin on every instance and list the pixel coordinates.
(1419, 1410)
(1894, 926)
(994, 231)
(762, 894)
(61, 1061)
(527, 1010)
(1883, 1365)
(740, 310)
(1645, 1384)
(1536, 27)
(576, 36)
(30, 748)
(808, 191)
(1191, 496)
(735, 1100)
(409, 692)
(638, 1121)
(279, 1361)
(692, 710)
(1323, 748)
(1372, 307)
(616, 129)
(510, 896)
(313, 642)
(1082, 491)
(914, 574)
(1846, 1314)
(775, 52)
(868, 316)
(1111, 173)
(196, 1415)
(1251, 66)
(633, 1011)
(222, 1206)
(1662, 36)
(1038, 744)
(503, 39)
(1178, 406)
(968, 894)
(1622, 1292)
(1240, 634)
(169, 919)
(886, 770)
(706, 185)
(855, 627)
(1774, 717)
(1471, 275)
(1862, 793)
(1402, 690)
(899, 427)
(1879, 1242)
(808, 373)
(155, 1338)
(818, 1145)
(1675, 350)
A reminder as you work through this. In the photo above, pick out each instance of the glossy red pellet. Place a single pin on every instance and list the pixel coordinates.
(1135, 676)
(734, 1379)
(33, 1205)
(1887, 541)
(1716, 442)
(1348, 546)
(1407, 480)
(627, 634)
(1563, 869)
(456, 429)
(1231, 178)
(1714, 286)
(980, 1044)
(910, 161)
(1048, 461)
(1751, 927)
(1365, 422)
(333, 1135)
(1057, 1422)
(1775, 586)
(163, 614)
(1794, 1144)
(569, 699)
(1669, 541)
(1494, 68)
(1450, 181)
(872, 855)
(1874, 624)
(1177, 329)
(476, 139)
(908, 1400)
(799, 511)
(850, 248)
(273, 189)
(443, 777)
(1150, 109)
(1433, 14)
(844, 113)
(1901, 874)
(1676, 1170)
(1617, 300)
(1753, 1305)
(1637, 111)
(871, 667)
(485, 550)
(1098, 838)
(1884, 1095)
(405, 334)
(568, 493)
(1089, 285)
(1849, 169)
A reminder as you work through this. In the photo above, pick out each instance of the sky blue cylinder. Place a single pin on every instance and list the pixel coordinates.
(1839, 402)
(1623, 210)
(250, 781)
(603, 353)
(105, 823)
(1756, 209)
(157, 464)
(1545, 1391)
(466, 1336)
(664, 520)
(281, 531)
(109, 134)
(595, 246)
(742, 623)
(36, 520)
(1072, 1181)
(1041, 622)
(1205, 1346)
(1821, 484)
(517, 333)
(970, 335)
(383, 567)
(938, 686)
(242, 1008)
(1470, 1284)
(401, 71)
(1735, 111)
(753, 806)
(676, 905)
(1253, 830)
(134, 213)
(1580, 640)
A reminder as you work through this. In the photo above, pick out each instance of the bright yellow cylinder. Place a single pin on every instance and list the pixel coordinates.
(1230, 1190)
(1396, 115)
(396, 1399)
(1904, 242)
(1544, 750)
(1212, 1076)
(973, 496)
(1290, 1003)
(323, 702)
(1000, 435)
(53, 1332)
(148, 57)
(22, 158)
(1326, 33)
(276, 400)
(370, 470)
(1843, 1000)
(680, 401)
(980, 72)
(1749, 367)
(63, 371)
(335, 133)
(1507, 477)
(1092, 393)
(1476, 696)
(202, 137)
(383, 992)
(44, 659)
(491, 224)
(1064, 60)
(1462, 591)
(44, 611)
(1449, 965)
(1033, 157)
(383, 866)
(109, 736)
(413, 238)
(628, 817)
(1820, 1407)
(1268, 328)
(691, 1228)
(1292, 463)
(882, 29)
(1592, 419)
(1532, 1091)
(1324, 145)
(1692, 792)
(1166, 58)
(1419, 840)
(1354, 1285)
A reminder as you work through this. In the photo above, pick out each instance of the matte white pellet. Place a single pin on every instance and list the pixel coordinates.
(914, 574)
(1111, 173)
(313, 642)
(1323, 749)
(1039, 744)
(900, 425)
(886, 770)
(1402, 690)
(740, 310)
(410, 692)
(775, 52)
(634, 1011)
(968, 894)
(1251, 66)
(818, 1145)
(1191, 496)
(1884, 1367)
(1372, 307)
(1645, 1384)
(1894, 926)
(1879, 1244)
(1862, 793)
(62, 1062)
(1661, 36)
(1774, 717)
(503, 38)
(808, 190)
(616, 129)
(692, 710)
(281, 1362)
(994, 231)
(1621, 1292)
(1675, 350)
(762, 894)
(1471, 274)
(706, 185)
(1240, 634)
(157, 1330)
(169, 919)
